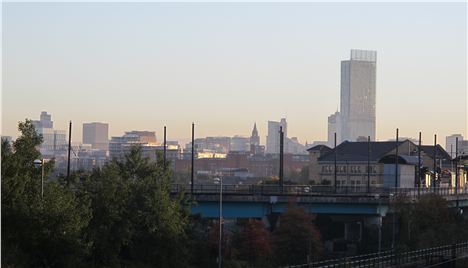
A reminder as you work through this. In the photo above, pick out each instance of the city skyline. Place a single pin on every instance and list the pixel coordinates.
(244, 77)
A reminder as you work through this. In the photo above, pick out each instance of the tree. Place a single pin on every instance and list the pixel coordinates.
(253, 243)
(135, 220)
(429, 222)
(296, 239)
(39, 232)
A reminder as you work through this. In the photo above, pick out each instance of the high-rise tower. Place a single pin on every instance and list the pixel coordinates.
(358, 94)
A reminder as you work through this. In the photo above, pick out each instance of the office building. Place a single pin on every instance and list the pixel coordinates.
(120, 146)
(450, 144)
(291, 145)
(358, 95)
(240, 144)
(54, 142)
(96, 134)
(273, 137)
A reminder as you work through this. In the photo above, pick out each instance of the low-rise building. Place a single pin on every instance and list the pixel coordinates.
(360, 162)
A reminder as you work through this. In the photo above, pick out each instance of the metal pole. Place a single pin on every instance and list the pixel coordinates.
(220, 223)
(396, 160)
(435, 162)
(281, 178)
(379, 224)
(334, 169)
(193, 155)
(164, 148)
(393, 226)
(396, 187)
(419, 163)
(69, 150)
(42, 178)
(380, 234)
(368, 163)
(456, 168)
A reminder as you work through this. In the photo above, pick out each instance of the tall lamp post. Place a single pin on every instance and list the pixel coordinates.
(220, 182)
(40, 163)
(379, 224)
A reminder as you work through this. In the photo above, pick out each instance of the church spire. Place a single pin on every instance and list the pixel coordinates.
(255, 131)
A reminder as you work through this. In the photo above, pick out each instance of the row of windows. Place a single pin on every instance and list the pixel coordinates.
(351, 169)
(354, 183)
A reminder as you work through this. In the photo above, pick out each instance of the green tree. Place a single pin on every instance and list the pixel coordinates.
(429, 222)
(39, 232)
(296, 238)
(135, 220)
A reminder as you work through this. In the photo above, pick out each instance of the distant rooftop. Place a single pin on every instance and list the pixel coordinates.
(357, 151)
(363, 55)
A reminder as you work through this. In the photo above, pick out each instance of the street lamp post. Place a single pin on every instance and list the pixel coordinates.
(220, 182)
(37, 163)
(393, 223)
(379, 224)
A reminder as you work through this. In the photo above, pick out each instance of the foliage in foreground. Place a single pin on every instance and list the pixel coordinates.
(120, 215)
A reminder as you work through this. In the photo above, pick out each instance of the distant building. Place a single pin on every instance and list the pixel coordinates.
(143, 136)
(293, 146)
(220, 144)
(120, 146)
(255, 147)
(54, 141)
(45, 121)
(357, 116)
(450, 144)
(243, 164)
(464, 147)
(334, 126)
(352, 164)
(273, 137)
(240, 144)
(96, 134)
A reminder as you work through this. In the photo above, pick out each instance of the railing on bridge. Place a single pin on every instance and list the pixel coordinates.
(390, 258)
(314, 190)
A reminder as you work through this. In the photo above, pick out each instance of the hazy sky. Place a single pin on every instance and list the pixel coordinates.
(228, 65)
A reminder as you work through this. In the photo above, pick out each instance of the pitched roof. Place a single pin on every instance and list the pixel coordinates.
(319, 148)
(440, 152)
(358, 151)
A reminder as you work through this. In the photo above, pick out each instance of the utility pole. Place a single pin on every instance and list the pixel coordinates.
(456, 168)
(435, 163)
(69, 150)
(164, 148)
(419, 164)
(396, 186)
(396, 161)
(368, 163)
(193, 156)
(220, 245)
(334, 169)
(281, 174)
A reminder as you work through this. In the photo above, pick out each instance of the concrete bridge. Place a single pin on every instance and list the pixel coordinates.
(257, 201)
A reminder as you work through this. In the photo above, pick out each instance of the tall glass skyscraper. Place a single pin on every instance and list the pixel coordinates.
(358, 86)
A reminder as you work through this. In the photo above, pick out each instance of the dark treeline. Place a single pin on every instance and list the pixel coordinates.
(123, 215)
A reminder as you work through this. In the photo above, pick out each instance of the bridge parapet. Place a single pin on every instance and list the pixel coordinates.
(368, 193)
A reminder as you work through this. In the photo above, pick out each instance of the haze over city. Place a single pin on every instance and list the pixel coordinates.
(298, 134)
(225, 66)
